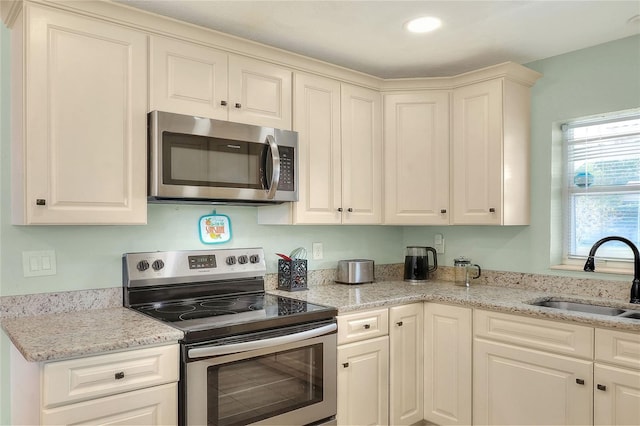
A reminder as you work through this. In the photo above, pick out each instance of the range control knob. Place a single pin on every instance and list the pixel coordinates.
(243, 259)
(143, 265)
(231, 260)
(157, 265)
(254, 258)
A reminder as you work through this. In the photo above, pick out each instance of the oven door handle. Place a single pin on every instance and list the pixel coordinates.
(209, 351)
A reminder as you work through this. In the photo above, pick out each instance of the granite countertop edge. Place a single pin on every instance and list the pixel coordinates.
(85, 333)
(353, 298)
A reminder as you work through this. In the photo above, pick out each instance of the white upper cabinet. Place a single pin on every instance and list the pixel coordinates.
(340, 150)
(317, 121)
(192, 79)
(79, 120)
(416, 158)
(361, 155)
(188, 78)
(490, 154)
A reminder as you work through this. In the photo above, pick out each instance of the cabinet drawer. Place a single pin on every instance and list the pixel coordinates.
(362, 325)
(86, 378)
(618, 347)
(553, 336)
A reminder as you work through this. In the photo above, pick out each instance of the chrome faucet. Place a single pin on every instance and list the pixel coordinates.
(590, 264)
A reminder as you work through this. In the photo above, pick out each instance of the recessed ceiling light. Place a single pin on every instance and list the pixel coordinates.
(423, 24)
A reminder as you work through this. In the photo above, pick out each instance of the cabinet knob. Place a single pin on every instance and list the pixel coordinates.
(223, 103)
(119, 375)
(349, 209)
(443, 211)
(580, 381)
(345, 364)
(238, 105)
(601, 387)
(41, 202)
(492, 210)
(399, 323)
(367, 326)
(340, 209)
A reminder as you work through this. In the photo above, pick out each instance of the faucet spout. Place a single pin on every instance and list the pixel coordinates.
(590, 264)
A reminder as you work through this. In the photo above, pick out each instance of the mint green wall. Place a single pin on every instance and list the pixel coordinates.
(581, 83)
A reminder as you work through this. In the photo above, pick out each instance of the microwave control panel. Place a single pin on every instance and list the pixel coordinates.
(286, 169)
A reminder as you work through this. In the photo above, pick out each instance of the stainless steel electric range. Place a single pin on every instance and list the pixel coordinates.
(247, 357)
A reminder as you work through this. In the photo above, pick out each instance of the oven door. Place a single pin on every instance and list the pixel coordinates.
(284, 379)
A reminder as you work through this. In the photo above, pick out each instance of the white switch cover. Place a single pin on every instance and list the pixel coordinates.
(38, 263)
(438, 243)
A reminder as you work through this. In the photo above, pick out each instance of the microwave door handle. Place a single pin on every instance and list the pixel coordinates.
(275, 174)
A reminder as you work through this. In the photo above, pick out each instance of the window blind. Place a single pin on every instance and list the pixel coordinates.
(602, 191)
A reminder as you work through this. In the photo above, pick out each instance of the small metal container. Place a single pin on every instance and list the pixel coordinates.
(355, 271)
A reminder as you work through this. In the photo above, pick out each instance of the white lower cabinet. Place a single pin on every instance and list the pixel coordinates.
(406, 367)
(136, 387)
(447, 364)
(521, 386)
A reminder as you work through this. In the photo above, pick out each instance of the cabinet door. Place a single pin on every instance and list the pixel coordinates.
(518, 386)
(447, 361)
(151, 406)
(616, 396)
(187, 78)
(317, 121)
(406, 364)
(477, 154)
(259, 93)
(363, 382)
(361, 155)
(84, 152)
(416, 158)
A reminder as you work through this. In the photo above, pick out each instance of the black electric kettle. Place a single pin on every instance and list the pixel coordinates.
(416, 263)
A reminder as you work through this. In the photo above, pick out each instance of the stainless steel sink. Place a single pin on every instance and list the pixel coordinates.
(588, 308)
(580, 307)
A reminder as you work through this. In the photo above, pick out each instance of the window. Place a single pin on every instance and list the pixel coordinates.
(602, 190)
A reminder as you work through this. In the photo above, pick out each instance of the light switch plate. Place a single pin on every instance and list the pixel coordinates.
(38, 263)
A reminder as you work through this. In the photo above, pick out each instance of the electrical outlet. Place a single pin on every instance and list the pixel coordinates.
(438, 243)
(316, 249)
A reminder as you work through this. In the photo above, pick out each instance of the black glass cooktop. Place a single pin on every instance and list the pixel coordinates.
(223, 315)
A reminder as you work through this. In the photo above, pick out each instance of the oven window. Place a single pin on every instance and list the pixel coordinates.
(258, 388)
(205, 161)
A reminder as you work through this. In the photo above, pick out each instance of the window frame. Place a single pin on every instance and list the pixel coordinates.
(573, 261)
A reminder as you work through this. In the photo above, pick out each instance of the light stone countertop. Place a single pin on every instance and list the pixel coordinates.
(350, 298)
(84, 333)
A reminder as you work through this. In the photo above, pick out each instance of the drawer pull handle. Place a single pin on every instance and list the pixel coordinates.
(367, 326)
(238, 105)
(345, 364)
(492, 210)
(41, 202)
(580, 381)
(399, 323)
(443, 211)
(602, 387)
(119, 375)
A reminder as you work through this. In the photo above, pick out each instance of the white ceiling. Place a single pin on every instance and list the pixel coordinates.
(368, 36)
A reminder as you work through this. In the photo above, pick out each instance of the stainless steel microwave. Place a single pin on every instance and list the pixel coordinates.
(196, 160)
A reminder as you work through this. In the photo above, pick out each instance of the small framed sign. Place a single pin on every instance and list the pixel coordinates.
(214, 228)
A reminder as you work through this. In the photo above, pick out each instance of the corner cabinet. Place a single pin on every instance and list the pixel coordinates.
(447, 364)
(79, 90)
(416, 155)
(192, 79)
(490, 153)
(136, 387)
(340, 144)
